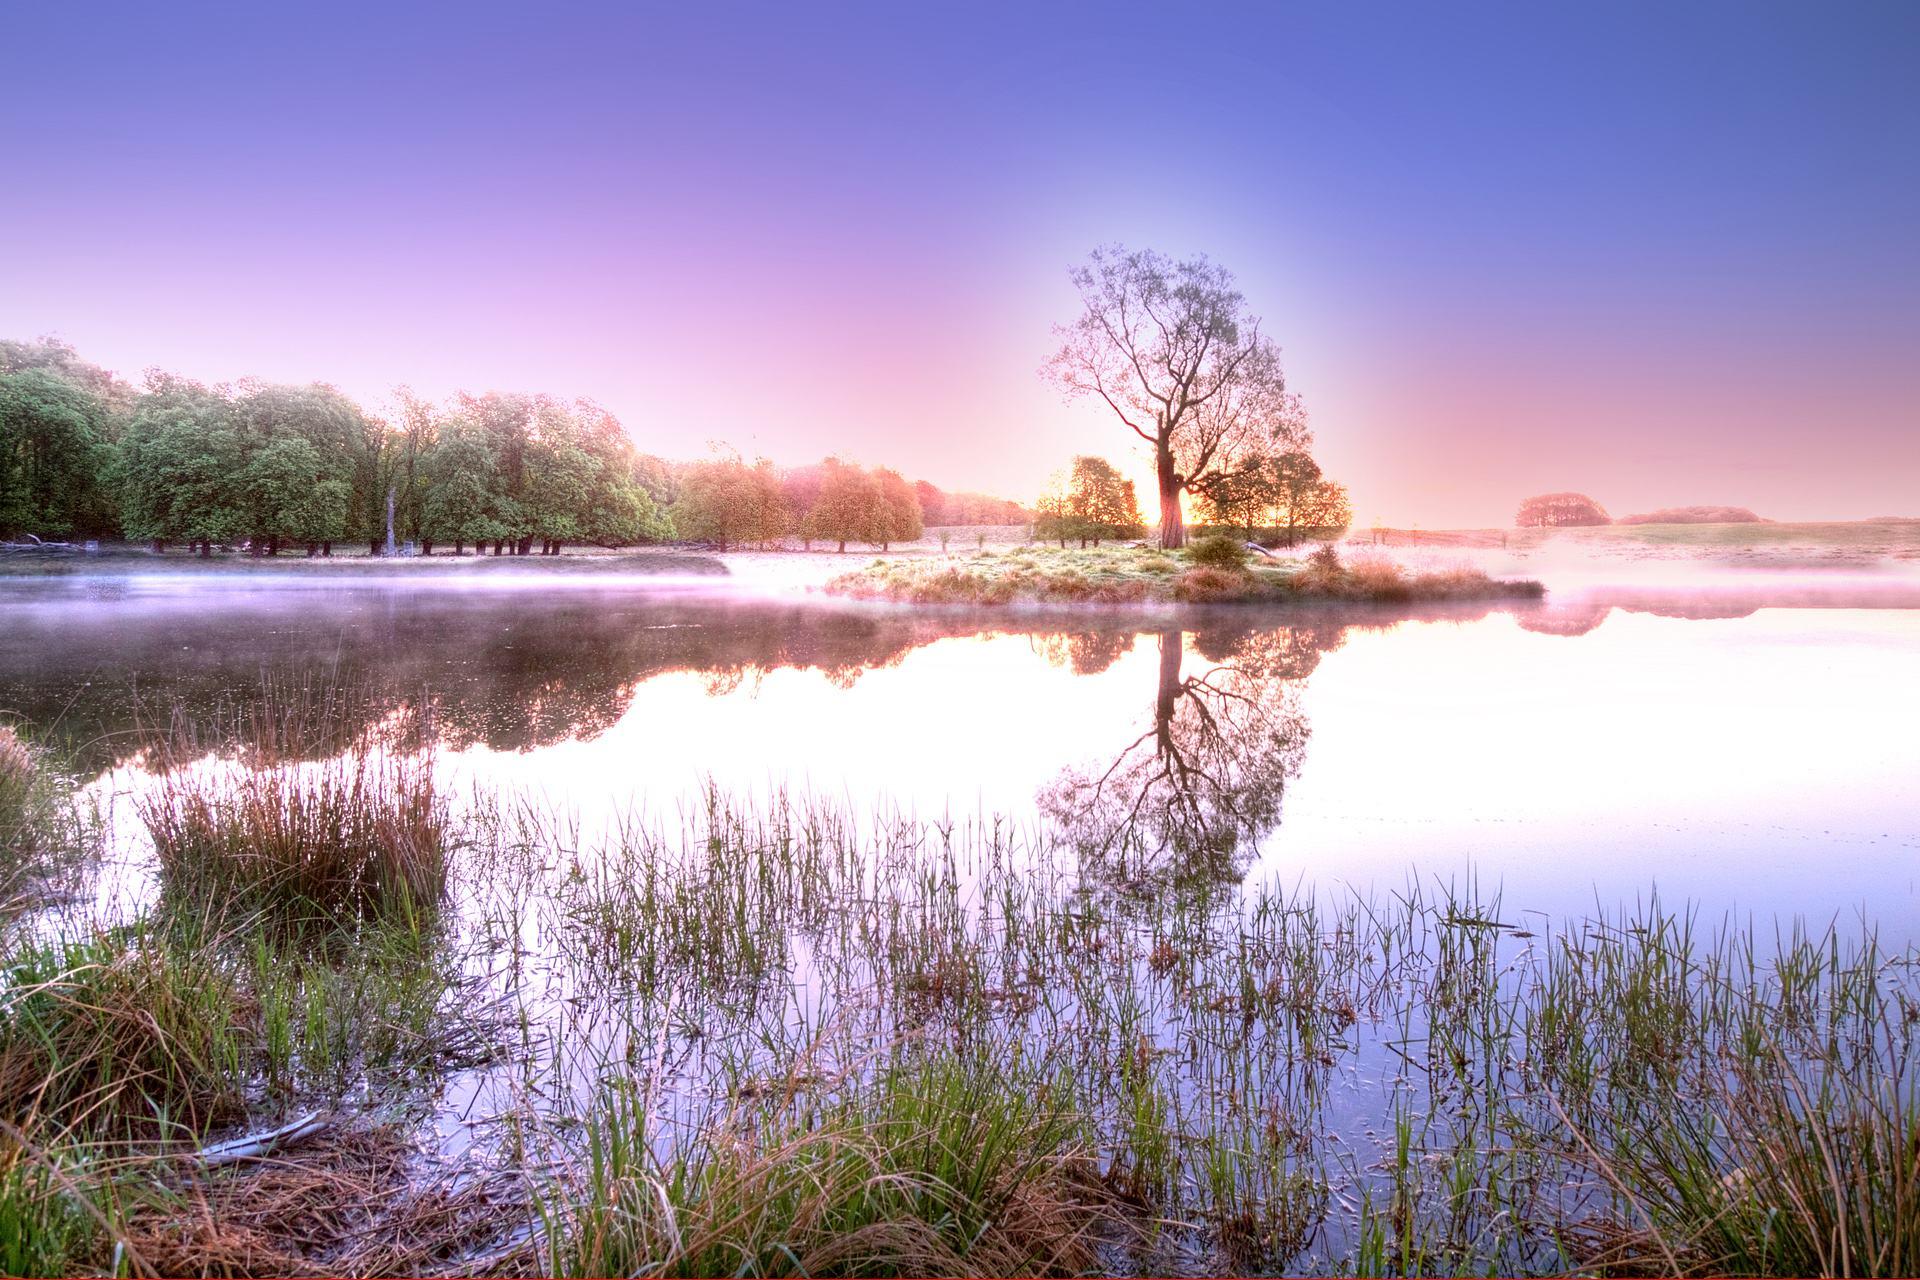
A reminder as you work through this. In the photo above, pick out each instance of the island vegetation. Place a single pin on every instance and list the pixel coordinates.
(1215, 569)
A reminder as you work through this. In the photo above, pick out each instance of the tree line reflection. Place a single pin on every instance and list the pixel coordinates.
(1187, 793)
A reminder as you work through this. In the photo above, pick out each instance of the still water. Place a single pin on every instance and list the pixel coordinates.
(1723, 751)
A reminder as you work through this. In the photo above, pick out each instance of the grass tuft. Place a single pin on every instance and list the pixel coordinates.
(933, 1166)
(359, 834)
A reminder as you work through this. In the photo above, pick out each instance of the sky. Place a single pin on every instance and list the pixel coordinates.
(1663, 254)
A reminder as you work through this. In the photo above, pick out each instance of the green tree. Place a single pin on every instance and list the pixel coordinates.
(300, 449)
(54, 455)
(177, 466)
(727, 502)
(459, 486)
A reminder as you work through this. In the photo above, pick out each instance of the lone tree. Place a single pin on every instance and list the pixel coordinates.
(1559, 511)
(1172, 349)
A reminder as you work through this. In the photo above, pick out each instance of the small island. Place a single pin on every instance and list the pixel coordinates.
(1213, 570)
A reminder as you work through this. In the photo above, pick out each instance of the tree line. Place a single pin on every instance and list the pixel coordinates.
(180, 463)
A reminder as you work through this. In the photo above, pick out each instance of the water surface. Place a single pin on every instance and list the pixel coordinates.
(1720, 750)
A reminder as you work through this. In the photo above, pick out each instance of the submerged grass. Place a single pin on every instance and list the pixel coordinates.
(1132, 575)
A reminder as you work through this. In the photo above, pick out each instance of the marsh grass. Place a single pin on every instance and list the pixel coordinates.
(19, 775)
(121, 1035)
(787, 1035)
(363, 832)
(935, 1164)
(1136, 575)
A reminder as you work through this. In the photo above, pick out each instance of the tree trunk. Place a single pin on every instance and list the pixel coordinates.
(459, 546)
(206, 548)
(373, 547)
(313, 549)
(843, 547)
(326, 548)
(159, 546)
(1173, 528)
(426, 546)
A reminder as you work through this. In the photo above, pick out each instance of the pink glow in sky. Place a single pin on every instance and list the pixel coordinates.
(1664, 258)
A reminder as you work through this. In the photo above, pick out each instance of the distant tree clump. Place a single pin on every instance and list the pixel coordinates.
(1284, 492)
(1694, 515)
(268, 467)
(855, 505)
(1560, 511)
(1092, 503)
(940, 509)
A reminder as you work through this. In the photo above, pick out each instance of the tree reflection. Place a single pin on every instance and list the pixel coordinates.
(1189, 797)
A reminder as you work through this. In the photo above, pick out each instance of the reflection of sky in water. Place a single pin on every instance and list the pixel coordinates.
(1760, 763)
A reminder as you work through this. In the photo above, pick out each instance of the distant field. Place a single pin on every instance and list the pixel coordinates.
(1769, 540)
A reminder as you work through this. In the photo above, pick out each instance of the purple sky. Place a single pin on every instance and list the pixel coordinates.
(1663, 254)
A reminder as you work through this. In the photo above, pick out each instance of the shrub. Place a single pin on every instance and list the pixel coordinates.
(1218, 551)
(347, 837)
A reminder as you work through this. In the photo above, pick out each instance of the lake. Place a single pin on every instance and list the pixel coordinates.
(1297, 910)
(1725, 752)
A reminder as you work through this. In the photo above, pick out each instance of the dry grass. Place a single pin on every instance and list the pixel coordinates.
(1214, 586)
(347, 1204)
